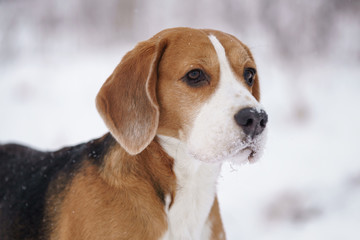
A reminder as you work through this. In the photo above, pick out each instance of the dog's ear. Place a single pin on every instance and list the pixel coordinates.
(127, 101)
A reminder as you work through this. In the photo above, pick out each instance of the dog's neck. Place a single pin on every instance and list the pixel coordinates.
(195, 192)
(121, 170)
(186, 186)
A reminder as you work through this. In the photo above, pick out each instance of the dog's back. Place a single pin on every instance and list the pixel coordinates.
(29, 178)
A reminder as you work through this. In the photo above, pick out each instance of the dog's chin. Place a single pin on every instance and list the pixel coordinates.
(251, 153)
(247, 155)
(243, 156)
(246, 151)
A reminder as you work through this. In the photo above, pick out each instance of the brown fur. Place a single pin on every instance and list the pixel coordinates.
(218, 232)
(178, 102)
(123, 199)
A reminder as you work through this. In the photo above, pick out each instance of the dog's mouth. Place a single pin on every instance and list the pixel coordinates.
(252, 154)
(248, 150)
(256, 148)
(247, 154)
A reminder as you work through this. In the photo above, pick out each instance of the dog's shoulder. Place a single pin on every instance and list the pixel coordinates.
(26, 175)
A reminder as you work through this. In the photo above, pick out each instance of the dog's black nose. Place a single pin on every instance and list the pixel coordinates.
(251, 121)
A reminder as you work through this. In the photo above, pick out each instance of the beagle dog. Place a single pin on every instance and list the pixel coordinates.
(177, 106)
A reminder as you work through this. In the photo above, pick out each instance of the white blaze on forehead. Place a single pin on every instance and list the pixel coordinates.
(227, 77)
(220, 51)
(215, 136)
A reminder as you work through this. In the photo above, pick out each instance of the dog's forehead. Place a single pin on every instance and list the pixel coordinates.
(190, 45)
(194, 46)
(236, 51)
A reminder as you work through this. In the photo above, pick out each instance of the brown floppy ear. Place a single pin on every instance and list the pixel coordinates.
(127, 101)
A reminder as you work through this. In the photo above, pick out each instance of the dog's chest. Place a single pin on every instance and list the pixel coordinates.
(196, 186)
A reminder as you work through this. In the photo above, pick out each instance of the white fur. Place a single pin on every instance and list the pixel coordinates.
(195, 194)
(215, 136)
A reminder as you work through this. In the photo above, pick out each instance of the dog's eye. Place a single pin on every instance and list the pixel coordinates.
(249, 75)
(195, 78)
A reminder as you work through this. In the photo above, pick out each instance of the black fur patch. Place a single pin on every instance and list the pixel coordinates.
(25, 175)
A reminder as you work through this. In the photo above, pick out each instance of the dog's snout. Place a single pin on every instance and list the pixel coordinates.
(251, 121)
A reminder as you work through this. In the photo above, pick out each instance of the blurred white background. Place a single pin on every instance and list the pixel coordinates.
(55, 55)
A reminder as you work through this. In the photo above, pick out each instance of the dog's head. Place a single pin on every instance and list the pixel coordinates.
(199, 86)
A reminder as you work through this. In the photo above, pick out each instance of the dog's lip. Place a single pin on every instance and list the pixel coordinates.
(247, 148)
(241, 151)
(252, 155)
(255, 151)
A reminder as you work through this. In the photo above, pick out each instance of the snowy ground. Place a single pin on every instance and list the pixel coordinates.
(307, 185)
